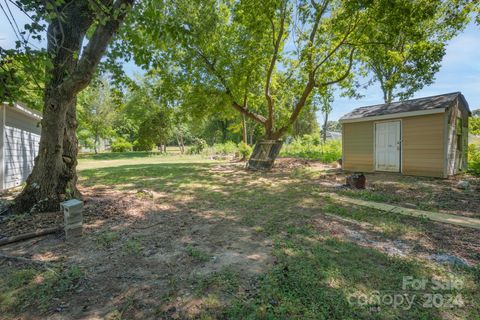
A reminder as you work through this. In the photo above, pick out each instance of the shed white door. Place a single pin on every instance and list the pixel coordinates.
(21, 148)
(387, 146)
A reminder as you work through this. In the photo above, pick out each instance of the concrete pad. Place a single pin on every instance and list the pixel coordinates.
(434, 216)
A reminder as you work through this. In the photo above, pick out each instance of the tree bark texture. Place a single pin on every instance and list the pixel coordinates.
(54, 177)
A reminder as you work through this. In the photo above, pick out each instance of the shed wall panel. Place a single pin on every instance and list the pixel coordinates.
(423, 145)
(358, 148)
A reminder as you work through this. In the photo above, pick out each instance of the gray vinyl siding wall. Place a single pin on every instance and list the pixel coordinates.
(21, 136)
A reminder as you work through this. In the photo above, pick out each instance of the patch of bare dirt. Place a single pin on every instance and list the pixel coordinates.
(423, 193)
(440, 194)
(288, 163)
(146, 269)
(461, 244)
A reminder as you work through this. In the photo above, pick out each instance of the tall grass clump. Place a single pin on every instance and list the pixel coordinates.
(474, 159)
(310, 147)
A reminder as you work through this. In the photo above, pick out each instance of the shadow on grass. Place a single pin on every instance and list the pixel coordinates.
(118, 155)
(222, 216)
(330, 280)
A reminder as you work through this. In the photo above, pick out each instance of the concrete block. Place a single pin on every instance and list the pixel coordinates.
(73, 218)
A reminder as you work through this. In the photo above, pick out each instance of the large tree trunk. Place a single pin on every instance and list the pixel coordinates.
(54, 178)
(70, 151)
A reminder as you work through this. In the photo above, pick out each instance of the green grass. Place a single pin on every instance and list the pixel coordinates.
(392, 225)
(197, 254)
(313, 275)
(118, 155)
(107, 238)
(25, 288)
(426, 202)
(133, 247)
(313, 149)
(223, 282)
(371, 196)
(318, 280)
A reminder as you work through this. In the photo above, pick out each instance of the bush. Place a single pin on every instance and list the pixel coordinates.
(474, 159)
(307, 148)
(244, 150)
(142, 145)
(121, 145)
(198, 146)
(226, 148)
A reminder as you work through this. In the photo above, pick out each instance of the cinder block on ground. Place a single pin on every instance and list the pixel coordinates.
(73, 218)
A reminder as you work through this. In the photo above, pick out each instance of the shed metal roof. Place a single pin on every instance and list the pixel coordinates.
(414, 105)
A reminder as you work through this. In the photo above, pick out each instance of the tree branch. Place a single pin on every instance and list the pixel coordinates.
(335, 49)
(96, 47)
(344, 76)
(273, 61)
(242, 109)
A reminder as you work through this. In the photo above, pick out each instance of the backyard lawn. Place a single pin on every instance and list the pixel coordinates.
(179, 237)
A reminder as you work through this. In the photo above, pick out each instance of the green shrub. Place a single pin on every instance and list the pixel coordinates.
(198, 146)
(474, 159)
(308, 140)
(244, 150)
(308, 147)
(226, 148)
(142, 145)
(121, 145)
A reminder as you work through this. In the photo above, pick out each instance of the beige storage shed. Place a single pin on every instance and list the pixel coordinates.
(420, 137)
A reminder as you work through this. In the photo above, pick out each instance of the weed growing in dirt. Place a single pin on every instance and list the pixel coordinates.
(315, 280)
(132, 247)
(197, 254)
(107, 238)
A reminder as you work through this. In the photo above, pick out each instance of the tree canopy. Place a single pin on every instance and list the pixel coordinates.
(218, 67)
(260, 59)
(408, 41)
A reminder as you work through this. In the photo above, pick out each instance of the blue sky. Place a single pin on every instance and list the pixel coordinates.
(460, 69)
(460, 72)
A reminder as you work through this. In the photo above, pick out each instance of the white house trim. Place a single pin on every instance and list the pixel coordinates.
(26, 111)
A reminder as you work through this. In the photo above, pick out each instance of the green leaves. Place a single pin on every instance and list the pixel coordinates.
(22, 77)
(96, 113)
(407, 42)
